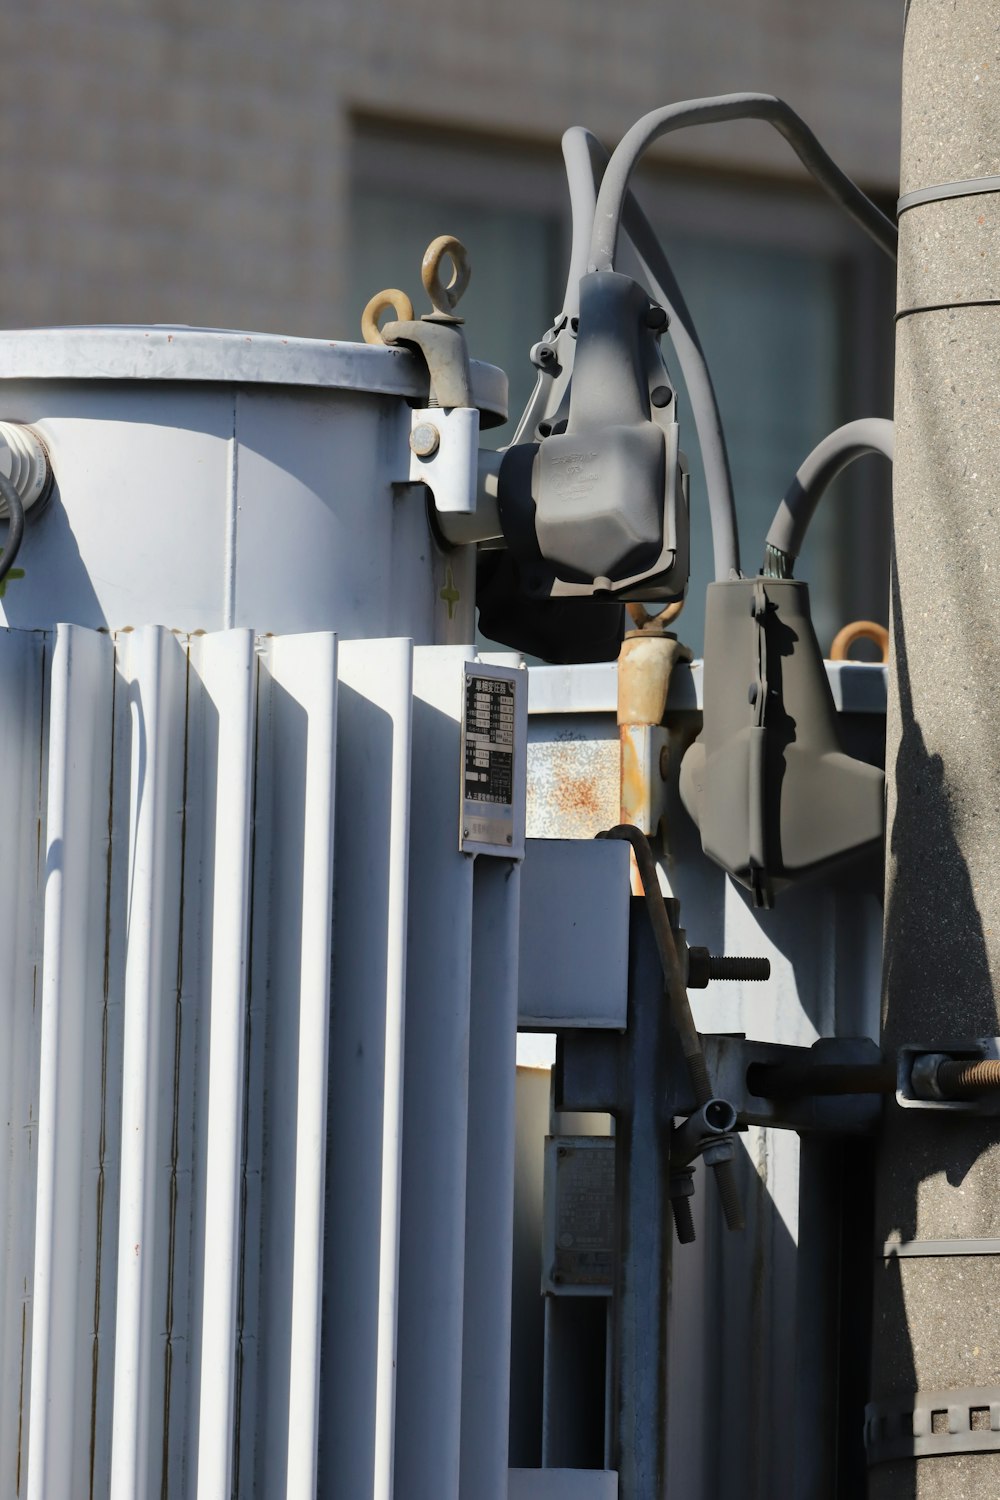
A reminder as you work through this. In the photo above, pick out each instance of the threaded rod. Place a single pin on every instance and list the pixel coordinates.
(960, 1079)
(752, 969)
(683, 1220)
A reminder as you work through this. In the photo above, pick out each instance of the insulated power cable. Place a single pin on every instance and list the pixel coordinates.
(840, 448)
(15, 534)
(584, 155)
(717, 110)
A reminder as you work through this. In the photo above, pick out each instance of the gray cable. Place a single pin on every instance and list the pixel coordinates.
(828, 458)
(580, 148)
(582, 151)
(611, 199)
(15, 514)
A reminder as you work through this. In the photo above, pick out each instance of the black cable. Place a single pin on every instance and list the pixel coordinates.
(15, 535)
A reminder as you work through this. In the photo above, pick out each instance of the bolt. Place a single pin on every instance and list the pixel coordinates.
(750, 969)
(656, 318)
(662, 395)
(510, 838)
(681, 1188)
(703, 966)
(729, 1194)
(683, 1221)
(425, 439)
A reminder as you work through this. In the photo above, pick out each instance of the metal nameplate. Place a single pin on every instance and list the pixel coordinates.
(494, 731)
(579, 1216)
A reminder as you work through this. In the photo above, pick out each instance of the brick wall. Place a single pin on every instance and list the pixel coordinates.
(173, 161)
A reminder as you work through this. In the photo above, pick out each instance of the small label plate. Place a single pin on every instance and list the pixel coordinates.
(493, 758)
(579, 1219)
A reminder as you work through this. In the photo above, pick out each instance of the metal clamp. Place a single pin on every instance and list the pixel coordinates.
(931, 1424)
(707, 1133)
(444, 455)
(444, 434)
(961, 1077)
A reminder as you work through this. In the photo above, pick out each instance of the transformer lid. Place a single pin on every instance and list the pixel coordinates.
(165, 352)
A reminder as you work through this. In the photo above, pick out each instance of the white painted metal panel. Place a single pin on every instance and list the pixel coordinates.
(71, 1003)
(366, 1093)
(154, 669)
(489, 1204)
(435, 1105)
(23, 671)
(285, 1119)
(207, 1298)
(573, 945)
(226, 668)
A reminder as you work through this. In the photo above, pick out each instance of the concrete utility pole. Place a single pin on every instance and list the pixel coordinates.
(936, 1346)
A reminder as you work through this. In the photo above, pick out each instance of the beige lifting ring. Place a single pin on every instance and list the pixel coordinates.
(445, 296)
(859, 630)
(380, 303)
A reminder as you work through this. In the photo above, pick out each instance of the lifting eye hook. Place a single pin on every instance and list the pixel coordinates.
(445, 295)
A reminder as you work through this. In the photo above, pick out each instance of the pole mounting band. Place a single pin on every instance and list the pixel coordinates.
(933, 1424)
(966, 188)
(896, 1249)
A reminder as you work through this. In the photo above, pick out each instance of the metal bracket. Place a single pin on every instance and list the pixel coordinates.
(933, 1423)
(444, 455)
(730, 1057)
(587, 1079)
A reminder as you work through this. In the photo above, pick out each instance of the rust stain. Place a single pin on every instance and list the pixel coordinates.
(636, 793)
(572, 788)
(578, 795)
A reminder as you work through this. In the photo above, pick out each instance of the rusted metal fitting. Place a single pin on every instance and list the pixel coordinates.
(393, 298)
(645, 665)
(445, 295)
(859, 630)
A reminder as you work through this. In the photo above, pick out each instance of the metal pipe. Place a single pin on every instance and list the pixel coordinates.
(642, 1264)
(794, 1080)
